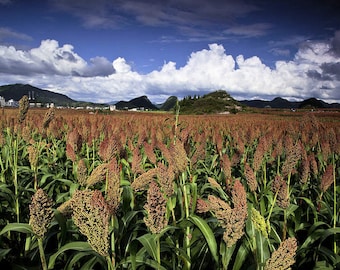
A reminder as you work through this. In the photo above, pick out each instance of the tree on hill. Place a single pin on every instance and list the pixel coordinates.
(216, 102)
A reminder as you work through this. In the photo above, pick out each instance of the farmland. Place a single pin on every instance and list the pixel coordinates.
(128, 190)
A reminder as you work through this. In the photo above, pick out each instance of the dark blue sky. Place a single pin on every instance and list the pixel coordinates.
(119, 49)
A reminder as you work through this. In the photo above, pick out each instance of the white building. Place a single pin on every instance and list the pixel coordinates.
(11, 103)
(2, 102)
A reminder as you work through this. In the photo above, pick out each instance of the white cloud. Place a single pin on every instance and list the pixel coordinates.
(315, 71)
(50, 59)
(121, 66)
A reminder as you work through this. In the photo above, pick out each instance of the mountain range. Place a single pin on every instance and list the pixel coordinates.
(281, 103)
(212, 100)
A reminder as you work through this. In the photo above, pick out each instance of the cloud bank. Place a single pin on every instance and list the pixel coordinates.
(313, 72)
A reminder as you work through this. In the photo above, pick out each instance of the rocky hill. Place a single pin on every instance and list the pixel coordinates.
(216, 102)
(169, 104)
(137, 103)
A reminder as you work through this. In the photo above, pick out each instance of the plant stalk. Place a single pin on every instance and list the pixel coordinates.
(187, 229)
(42, 254)
(334, 204)
(15, 179)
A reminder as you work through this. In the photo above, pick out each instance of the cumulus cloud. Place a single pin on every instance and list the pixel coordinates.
(51, 59)
(313, 72)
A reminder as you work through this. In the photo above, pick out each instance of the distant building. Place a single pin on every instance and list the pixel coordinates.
(2, 102)
(12, 103)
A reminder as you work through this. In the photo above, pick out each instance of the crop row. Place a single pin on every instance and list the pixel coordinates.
(164, 191)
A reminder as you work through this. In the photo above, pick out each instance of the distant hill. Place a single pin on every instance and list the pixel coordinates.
(17, 91)
(139, 102)
(169, 104)
(216, 102)
(275, 103)
(313, 103)
(281, 103)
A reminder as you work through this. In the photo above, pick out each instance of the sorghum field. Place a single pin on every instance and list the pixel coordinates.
(127, 190)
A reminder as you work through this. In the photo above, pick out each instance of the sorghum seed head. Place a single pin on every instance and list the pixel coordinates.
(90, 214)
(156, 209)
(166, 176)
(280, 187)
(81, 172)
(250, 177)
(142, 181)
(327, 178)
(113, 186)
(232, 220)
(23, 108)
(98, 175)
(49, 116)
(259, 222)
(41, 213)
(283, 257)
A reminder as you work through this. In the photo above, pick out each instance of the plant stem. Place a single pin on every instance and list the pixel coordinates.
(110, 264)
(264, 168)
(15, 178)
(187, 229)
(270, 212)
(284, 232)
(113, 249)
(3, 179)
(177, 107)
(42, 254)
(334, 204)
(158, 251)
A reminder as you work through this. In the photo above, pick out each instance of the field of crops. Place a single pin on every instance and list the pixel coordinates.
(127, 190)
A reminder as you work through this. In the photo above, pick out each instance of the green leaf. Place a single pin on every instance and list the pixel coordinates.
(77, 257)
(311, 205)
(322, 265)
(241, 256)
(90, 264)
(291, 209)
(262, 248)
(128, 217)
(329, 232)
(140, 260)
(78, 246)
(17, 227)
(207, 233)
(149, 241)
(4, 252)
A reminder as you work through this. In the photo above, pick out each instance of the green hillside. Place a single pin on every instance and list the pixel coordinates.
(169, 104)
(17, 91)
(216, 102)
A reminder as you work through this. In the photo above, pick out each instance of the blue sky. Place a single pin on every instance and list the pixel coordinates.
(107, 50)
